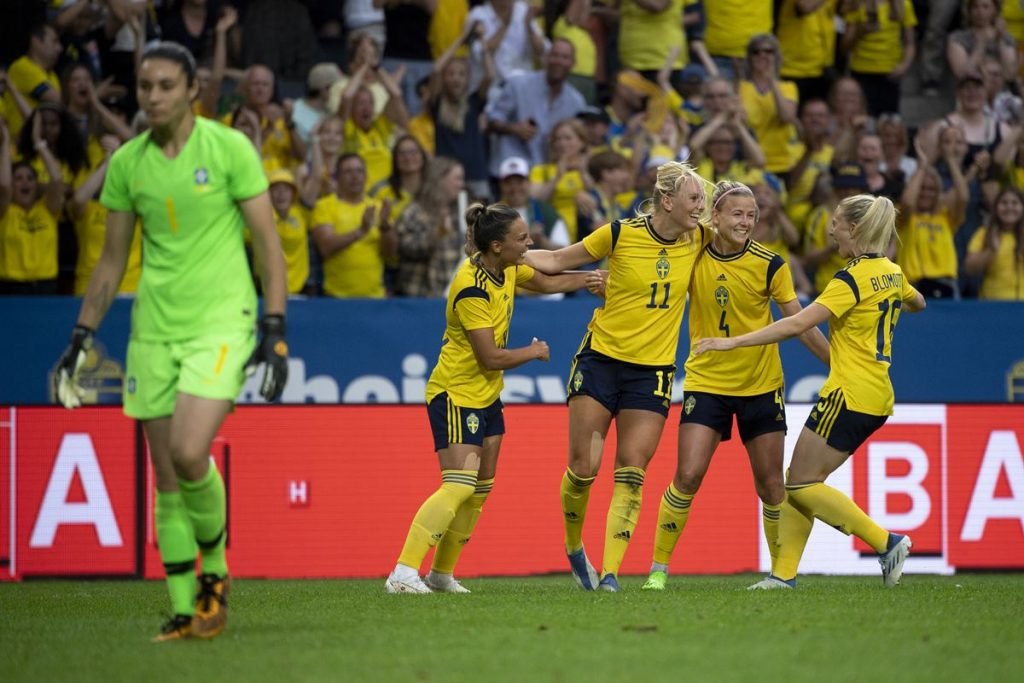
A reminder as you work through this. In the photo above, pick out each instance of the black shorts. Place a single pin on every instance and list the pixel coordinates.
(618, 385)
(451, 423)
(755, 415)
(844, 429)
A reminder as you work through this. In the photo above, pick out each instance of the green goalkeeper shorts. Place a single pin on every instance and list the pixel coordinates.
(211, 366)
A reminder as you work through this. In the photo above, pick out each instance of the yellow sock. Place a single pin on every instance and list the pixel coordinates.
(623, 513)
(795, 526)
(837, 510)
(461, 528)
(436, 514)
(672, 515)
(575, 495)
(770, 520)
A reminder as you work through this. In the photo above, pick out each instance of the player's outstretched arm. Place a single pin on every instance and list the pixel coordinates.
(569, 281)
(490, 357)
(812, 338)
(914, 303)
(812, 316)
(566, 258)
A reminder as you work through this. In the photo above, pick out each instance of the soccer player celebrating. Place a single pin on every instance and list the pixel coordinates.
(463, 401)
(862, 304)
(625, 365)
(194, 184)
(733, 285)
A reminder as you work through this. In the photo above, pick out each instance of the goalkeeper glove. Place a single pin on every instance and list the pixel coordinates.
(272, 353)
(66, 387)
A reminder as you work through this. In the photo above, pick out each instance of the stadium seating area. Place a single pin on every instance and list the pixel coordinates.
(379, 115)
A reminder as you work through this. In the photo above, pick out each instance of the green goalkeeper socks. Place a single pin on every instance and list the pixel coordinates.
(205, 501)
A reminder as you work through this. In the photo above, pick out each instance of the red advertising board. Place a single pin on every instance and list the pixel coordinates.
(76, 491)
(320, 491)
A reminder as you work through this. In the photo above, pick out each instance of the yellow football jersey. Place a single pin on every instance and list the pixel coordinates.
(91, 230)
(357, 271)
(779, 141)
(1004, 277)
(564, 196)
(646, 291)
(807, 41)
(28, 243)
(865, 299)
(476, 300)
(293, 230)
(880, 51)
(730, 296)
(926, 247)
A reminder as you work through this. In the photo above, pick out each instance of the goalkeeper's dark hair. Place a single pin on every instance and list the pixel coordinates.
(174, 52)
(486, 224)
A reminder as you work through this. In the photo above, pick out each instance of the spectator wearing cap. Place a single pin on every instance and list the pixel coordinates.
(880, 42)
(529, 105)
(691, 89)
(730, 26)
(292, 223)
(569, 21)
(928, 222)
(807, 39)
(983, 37)
(32, 75)
(597, 125)
(547, 229)
(407, 23)
(457, 109)
(770, 104)
(815, 157)
(311, 109)
(430, 245)
(821, 253)
(564, 180)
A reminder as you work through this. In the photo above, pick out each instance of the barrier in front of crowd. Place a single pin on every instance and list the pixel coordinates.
(360, 351)
(329, 491)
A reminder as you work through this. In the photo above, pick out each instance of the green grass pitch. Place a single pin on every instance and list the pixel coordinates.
(961, 628)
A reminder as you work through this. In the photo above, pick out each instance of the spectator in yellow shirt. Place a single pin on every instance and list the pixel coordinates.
(770, 104)
(366, 133)
(996, 252)
(351, 239)
(28, 222)
(292, 223)
(32, 74)
(880, 42)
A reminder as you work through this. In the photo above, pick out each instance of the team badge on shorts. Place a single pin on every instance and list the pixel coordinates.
(577, 381)
(662, 265)
(473, 422)
(691, 403)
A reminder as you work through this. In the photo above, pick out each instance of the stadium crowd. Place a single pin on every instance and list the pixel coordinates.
(374, 118)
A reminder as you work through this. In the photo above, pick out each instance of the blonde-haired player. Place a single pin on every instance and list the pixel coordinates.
(733, 286)
(862, 304)
(625, 365)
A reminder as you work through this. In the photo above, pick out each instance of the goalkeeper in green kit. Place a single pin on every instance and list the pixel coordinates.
(195, 185)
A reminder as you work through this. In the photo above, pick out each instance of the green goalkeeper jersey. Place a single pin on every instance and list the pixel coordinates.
(195, 277)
